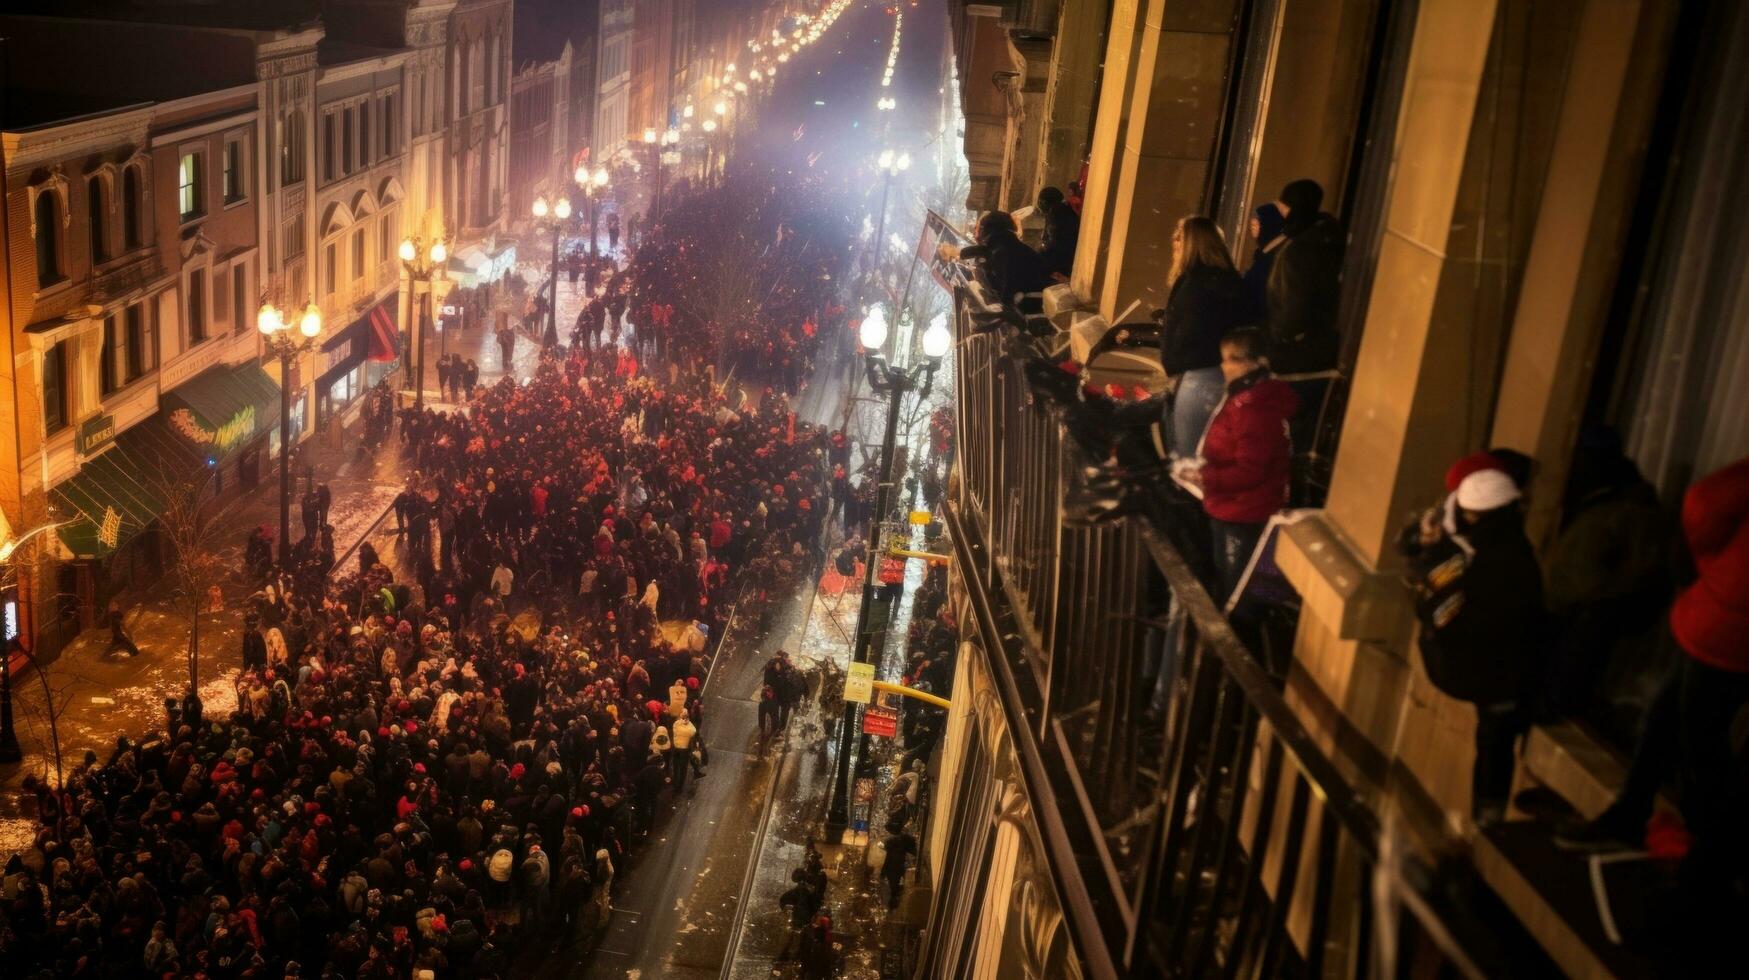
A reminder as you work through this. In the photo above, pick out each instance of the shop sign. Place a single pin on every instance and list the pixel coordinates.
(882, 719)
(239, 427)
(94, 433)
(859, 684)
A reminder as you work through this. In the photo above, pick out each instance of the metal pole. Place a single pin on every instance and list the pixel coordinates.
(419, 344)
(594, 250)
(552, 334)
(838, 810)
(10, 751)
(285, 360)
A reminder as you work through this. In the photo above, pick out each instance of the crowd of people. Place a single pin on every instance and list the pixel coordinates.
(1621, 597)
(447, 749)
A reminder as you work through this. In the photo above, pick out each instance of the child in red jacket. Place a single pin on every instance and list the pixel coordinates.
(1244, 461)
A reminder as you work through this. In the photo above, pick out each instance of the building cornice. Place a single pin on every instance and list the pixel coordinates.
(53, 142)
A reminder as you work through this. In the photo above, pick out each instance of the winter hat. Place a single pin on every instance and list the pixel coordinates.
(1486, 490)
(1303, 198)
(1473, 463)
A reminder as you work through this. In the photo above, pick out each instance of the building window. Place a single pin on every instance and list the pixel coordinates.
(139, 347)
(55, 388)
(391, 139)
(365, 145)
(297, 281)
(386, 236)
(291, 148)
(112, 357)
(294, 237)
(191, 186)
(240, 297)
(236, 181)
(346, 143)
(221, 295)
(330, 268)
(196, 306)
(130, 207)
(97, 210)
(328, 147)
(358, 254)
(48, 239)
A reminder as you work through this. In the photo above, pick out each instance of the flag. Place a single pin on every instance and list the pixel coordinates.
(384, 338)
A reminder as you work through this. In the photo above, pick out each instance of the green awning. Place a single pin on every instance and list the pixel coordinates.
(119, 493)
(223, 407)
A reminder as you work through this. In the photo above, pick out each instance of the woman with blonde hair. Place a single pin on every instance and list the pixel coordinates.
(1206, 297)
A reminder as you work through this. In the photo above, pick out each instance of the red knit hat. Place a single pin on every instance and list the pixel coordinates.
(1473, 463)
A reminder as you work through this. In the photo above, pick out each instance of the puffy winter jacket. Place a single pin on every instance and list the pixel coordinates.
(1246, 454)
(1711, 617)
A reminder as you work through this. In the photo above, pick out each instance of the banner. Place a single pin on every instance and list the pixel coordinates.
(936, 233)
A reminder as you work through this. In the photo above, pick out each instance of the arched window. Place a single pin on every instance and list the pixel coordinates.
(97, 210)
(48, 239)
(131, 207)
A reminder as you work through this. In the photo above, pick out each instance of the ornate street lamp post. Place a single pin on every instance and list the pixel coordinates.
(422, 264)
(895, 383)
(552, 217)
(287, 344)
(594, 184)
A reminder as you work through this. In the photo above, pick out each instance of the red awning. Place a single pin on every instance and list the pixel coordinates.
(385, 339)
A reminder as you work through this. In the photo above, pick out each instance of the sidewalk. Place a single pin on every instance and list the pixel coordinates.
(106, 695)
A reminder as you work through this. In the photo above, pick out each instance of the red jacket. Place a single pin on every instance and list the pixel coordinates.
(1711, 617)
(1246, 454)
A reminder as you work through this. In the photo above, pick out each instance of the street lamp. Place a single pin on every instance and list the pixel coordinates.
(9, 748)
(893, 382)
(552, 217)
(594, 185)
(891, 165)
(278, 333)
(660, 146)
(421, 265)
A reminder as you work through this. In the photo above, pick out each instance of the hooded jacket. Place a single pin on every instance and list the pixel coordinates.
(1246, 455)
(1711, 617)
(1303, 293)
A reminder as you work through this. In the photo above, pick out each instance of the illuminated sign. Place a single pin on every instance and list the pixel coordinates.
(239, 427)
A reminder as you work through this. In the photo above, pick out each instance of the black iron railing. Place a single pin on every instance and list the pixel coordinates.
(1203, 831)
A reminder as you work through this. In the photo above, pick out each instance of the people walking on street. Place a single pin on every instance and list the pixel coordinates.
(119, 638)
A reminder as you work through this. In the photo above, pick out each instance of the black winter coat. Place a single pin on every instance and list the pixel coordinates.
(1304, 290)
(1205, 303)
(1479, 596)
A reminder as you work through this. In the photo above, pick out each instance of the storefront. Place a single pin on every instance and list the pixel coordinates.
(355, 359)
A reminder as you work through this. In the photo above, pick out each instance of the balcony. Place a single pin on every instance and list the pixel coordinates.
(1193, 823)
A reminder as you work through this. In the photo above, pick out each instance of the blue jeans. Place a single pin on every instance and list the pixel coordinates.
(1199, 392)
(1233, 544)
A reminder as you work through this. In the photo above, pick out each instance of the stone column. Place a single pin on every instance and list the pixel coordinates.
(1073, 79)
(1598, 152)
(1182, 63)
(1105, 162)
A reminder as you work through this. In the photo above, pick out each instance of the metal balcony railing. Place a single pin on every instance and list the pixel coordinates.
(1215, 836)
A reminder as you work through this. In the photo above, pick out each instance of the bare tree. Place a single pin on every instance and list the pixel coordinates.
(188, 527)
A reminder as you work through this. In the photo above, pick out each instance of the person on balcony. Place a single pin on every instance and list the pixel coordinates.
(1062, 233)
(1267, 239)
(1302, 297)
(1206, 298)
(1011, 267)
(1479, 595)
(1243, 465)
(1688, 731)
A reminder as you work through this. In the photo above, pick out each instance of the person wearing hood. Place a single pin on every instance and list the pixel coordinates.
(1266, 241)
(1205, 299)
(1062, 232)
(1011, 267)
(1245, 458)
(1479, 595)
(1304, 284)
